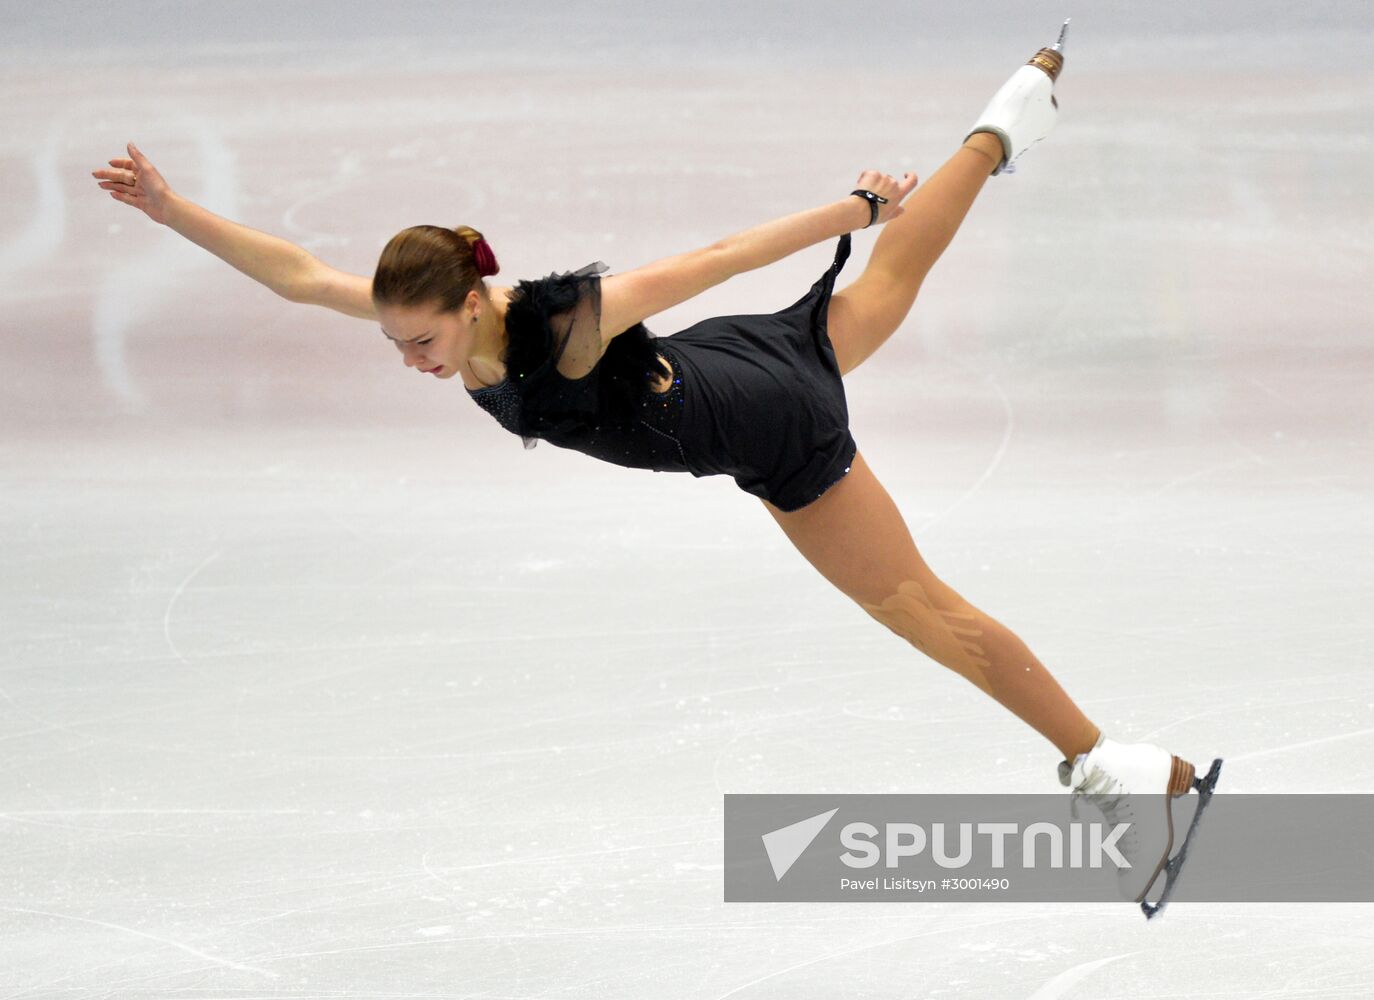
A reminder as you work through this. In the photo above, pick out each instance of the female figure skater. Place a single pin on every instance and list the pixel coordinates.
(566, 359)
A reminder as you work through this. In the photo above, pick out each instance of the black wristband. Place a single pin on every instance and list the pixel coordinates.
(874, 200)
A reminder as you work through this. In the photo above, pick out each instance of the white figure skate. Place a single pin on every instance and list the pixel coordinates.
(1137, 784)
(1024, 110)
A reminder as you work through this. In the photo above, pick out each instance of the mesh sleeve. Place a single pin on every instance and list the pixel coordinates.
(554, 356)
(577, 332)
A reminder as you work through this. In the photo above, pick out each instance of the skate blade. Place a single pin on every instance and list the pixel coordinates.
(1063, 34)
(1204, 786)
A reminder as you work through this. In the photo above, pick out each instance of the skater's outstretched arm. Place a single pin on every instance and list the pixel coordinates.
(290, 271)
(634, 296)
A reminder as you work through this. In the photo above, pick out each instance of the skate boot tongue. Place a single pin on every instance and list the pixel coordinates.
(1066, 766)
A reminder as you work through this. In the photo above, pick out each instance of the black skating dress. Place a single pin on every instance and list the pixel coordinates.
(758, 397)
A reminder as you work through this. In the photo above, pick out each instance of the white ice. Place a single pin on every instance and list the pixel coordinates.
(313, 683)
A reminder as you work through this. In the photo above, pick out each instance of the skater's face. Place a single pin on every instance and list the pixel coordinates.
(430, 341)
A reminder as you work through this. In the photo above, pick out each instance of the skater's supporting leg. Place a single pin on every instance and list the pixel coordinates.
(866, 313)
(855, 536)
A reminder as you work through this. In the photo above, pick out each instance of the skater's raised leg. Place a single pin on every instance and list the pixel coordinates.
(1020, 114)
(866, 313)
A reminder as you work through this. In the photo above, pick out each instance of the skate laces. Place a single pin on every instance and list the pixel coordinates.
(1105, 793)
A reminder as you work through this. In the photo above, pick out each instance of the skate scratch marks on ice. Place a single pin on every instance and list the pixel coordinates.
(151, 937)
(869, 945)
(1070, 978)
(1231, 758)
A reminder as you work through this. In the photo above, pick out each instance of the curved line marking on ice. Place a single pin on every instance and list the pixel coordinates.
(1007, 429)
(40, 239)
(1069, 978)
(167, 615)
(129, 292)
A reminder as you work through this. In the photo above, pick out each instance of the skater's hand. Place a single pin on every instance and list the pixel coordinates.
(135, 181)
(887, 187)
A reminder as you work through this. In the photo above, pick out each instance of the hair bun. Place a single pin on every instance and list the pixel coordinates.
(486, 259)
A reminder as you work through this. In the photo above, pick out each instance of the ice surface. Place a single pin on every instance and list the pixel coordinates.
(313, 683)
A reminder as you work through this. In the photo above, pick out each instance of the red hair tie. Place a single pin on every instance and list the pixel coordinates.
(486, 260)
